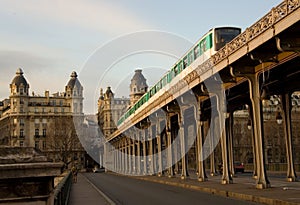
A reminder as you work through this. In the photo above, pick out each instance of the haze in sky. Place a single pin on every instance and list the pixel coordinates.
(105, 41)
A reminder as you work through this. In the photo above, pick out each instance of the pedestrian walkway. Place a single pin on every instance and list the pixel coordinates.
(243, 188)
(84, 192)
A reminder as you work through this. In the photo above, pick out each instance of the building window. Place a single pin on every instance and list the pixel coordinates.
(21, 133)
(44, 132)
(44, 144)
(44, 121)
(36, 122)
(21, 143)
(36, 144)
(21, 122)
(36, 132)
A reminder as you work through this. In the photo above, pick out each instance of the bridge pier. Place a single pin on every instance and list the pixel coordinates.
(151, 158)
(229, 133)
(212, 132)
(169, 145)
(199, 140)
(226, 177)
(249, 73)
(287, 126)
(159, 151)
(181, 132)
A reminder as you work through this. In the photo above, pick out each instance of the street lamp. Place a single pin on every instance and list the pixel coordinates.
(265, 96)
(249, 126)
(278, 118)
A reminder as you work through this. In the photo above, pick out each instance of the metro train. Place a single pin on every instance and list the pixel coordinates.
(205, 47)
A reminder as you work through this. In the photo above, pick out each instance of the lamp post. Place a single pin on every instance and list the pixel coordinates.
(278, 118)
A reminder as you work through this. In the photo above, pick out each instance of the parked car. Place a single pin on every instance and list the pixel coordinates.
(239, 167)
(97, 169)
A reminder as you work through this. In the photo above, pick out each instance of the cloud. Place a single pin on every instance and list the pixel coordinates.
(96, 15)
(40, 72)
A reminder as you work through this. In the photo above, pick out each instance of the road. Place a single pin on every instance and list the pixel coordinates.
(127, 190)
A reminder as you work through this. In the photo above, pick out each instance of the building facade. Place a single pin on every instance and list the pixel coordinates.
(44, 122)
(110, 109)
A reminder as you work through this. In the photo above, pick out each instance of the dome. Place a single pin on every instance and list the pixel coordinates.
(138, 82)
(19, 78)
(74, 81)
(109, 93)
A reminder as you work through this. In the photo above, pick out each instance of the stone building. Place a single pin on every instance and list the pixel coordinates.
(138, 86)
(110, 109)
(44, 122)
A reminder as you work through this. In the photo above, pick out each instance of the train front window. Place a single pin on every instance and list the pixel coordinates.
(225, 35)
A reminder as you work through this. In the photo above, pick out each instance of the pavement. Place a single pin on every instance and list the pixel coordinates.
(243, 188)
(84, 192)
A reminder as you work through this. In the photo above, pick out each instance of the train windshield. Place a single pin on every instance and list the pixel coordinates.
(225, 35)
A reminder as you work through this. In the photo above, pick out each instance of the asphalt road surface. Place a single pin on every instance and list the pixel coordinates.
(127, 190)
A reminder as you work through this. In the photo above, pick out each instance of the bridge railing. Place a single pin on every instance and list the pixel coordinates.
(62, 190)
(266, 22)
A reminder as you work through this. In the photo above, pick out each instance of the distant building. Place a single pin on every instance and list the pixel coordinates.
(110, 109)
(138, 87)
(44, 122)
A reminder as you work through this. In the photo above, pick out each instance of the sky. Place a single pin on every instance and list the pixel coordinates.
(105, 41)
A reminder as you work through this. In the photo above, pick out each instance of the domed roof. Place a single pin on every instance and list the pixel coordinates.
(19, 78)
(138, 78)
(74, 81)
(109, 93)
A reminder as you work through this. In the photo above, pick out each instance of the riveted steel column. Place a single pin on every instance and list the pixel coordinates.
(159, 151)
(138, 142)
(226, 178)
(200, 136)
(169, 147)
(287, 125)
(126, 156)
(253, 142)
(212, 147)
(150, 156)
(144, 152)
(129, 157)
(134, 155)
(229, 130)
(182, 132)
(262, 181)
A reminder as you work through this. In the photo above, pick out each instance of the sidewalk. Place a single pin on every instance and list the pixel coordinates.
(83, 192)
(243, 188)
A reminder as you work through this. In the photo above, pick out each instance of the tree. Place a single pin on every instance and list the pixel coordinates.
(62, 141)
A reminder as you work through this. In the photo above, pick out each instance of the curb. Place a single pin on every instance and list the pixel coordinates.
(224, 193)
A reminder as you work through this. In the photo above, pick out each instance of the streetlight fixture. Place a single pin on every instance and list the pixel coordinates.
(278, 118)
(265, 96)
(249, 124)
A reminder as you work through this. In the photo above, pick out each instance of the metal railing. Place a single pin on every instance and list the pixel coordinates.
(62, 190)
